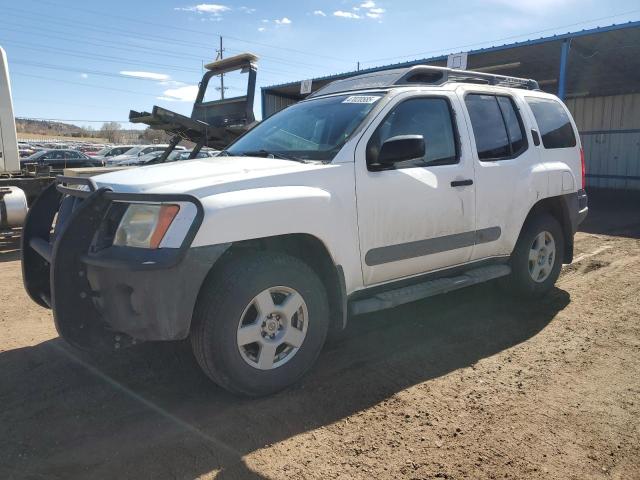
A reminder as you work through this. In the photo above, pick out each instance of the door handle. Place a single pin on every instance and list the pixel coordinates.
(461, 183)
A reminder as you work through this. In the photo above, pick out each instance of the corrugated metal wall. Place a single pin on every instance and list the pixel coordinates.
(610, 131)
(275, 103)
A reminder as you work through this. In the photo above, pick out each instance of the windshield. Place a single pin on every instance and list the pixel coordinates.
(103, 151)
(133, 151)
(37, 155)
(312, 130)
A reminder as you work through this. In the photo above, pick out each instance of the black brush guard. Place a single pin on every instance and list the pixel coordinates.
(62, 267)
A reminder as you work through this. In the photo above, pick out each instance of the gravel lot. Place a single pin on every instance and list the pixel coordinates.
(467, 385)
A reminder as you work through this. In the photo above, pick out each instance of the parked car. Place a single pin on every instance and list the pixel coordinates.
(140, 160)
(58, 160)
(25, 152)
(177, 155)
(90, 150)
(137, 151)
(184, 155)
(110, 151)
(374, 191)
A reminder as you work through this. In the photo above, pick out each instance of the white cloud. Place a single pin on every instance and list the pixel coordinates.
(264, 20)
(84, 75)
(261, 29)
(320, 13)
(340, 13)
(247, 10)
(187, 93)
(368, 4)
(171, 83)
(211, 8)
(375, 12)
(283, 21)
(147, 75)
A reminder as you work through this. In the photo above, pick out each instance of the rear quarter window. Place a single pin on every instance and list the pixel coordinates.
(555, 126)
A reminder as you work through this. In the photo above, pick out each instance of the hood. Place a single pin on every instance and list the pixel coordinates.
(201, 176)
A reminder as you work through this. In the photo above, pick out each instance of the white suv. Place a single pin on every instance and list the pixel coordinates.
(377, 190)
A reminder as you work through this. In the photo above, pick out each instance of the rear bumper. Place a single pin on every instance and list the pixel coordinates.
(583, 206)
(113, 296)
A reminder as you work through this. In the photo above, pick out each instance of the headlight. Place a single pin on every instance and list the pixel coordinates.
(145, 225)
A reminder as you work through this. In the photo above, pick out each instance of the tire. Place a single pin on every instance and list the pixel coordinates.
(236, 296)
(545, 266)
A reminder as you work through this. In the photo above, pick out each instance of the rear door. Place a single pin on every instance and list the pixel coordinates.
(560, 144)
(506, 164)
(418, 216)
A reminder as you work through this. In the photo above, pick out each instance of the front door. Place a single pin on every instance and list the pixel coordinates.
(418, 216)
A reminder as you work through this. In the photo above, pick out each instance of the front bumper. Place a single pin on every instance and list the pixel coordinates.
(109, 297)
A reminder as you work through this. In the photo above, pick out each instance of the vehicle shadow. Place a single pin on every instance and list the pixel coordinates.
(149, 412)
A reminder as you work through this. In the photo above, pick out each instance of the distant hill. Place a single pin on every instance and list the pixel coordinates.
(46, 127)
(50, 129)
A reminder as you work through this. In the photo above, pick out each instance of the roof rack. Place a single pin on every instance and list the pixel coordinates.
(423, 75)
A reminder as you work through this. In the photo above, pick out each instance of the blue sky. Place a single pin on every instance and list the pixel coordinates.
(95, 61)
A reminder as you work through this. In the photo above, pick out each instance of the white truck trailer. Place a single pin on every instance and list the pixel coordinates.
(16, 188)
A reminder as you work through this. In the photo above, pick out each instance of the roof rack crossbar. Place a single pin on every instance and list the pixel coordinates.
(463, 76)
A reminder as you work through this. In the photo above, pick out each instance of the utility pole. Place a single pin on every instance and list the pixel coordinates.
(358, 66)
(219, 56)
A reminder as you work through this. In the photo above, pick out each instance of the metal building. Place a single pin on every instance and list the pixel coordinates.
(596, 72)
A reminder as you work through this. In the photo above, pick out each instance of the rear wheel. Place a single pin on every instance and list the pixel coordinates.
(537, 258)
(260, 323)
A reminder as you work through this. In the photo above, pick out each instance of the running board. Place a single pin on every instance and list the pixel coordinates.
(393, 298)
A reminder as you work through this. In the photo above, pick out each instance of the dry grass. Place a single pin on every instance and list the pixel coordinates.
(56, 138)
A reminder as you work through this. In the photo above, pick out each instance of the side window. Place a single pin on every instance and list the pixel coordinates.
(554, 124)
(429, 117)
(515, 128)
(497, 127)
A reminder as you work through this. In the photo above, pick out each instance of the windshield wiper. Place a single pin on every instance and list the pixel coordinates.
(268, 154)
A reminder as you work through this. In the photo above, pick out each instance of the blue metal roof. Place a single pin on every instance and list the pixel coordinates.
(524, 43)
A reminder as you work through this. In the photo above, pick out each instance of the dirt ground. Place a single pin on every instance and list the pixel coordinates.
(467, 385)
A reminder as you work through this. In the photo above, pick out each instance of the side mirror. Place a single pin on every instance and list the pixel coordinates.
(400, 148)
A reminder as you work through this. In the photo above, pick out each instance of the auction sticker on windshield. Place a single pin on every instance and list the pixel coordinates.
(360, 99)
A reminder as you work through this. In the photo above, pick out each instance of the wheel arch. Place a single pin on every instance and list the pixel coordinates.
(558, 207)
(312, 251)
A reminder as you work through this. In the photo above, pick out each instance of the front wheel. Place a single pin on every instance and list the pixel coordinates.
(537, 258)
(260, 323)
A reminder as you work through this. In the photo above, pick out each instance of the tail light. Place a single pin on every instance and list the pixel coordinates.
(583, 168)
